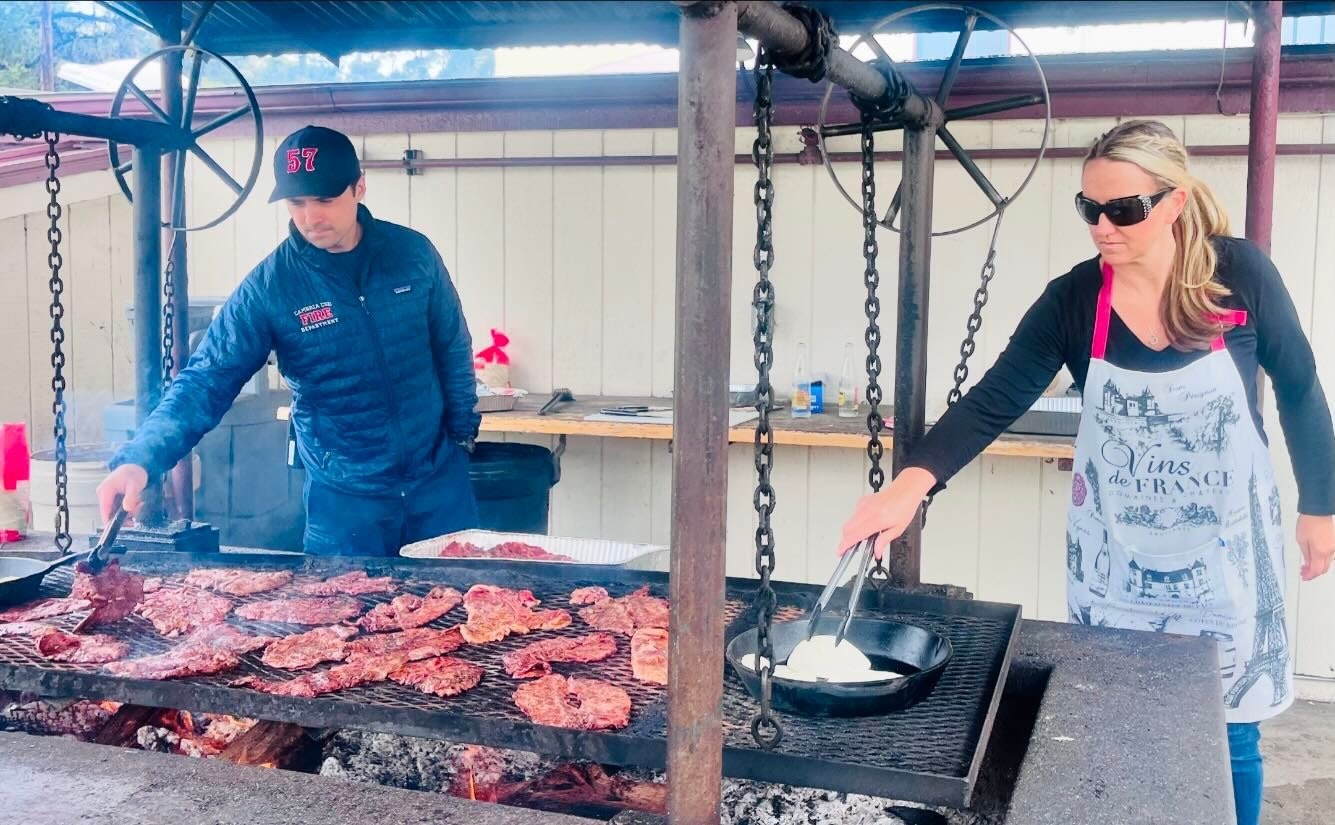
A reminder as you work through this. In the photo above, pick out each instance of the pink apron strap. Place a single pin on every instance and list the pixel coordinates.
(1099, 345)
(1236, 317)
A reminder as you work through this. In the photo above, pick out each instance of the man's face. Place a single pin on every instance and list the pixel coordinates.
(329, 223)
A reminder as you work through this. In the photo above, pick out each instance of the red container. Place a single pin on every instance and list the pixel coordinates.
(15, 469)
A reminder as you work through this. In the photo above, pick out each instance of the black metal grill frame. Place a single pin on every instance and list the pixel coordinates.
(930, 753)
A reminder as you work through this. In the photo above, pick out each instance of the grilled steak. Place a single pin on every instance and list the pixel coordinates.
(59, 646)
(442, 676)
(177, 611)
(113, 592)
(649, 655)
(226, 637)
(535, 659)
(510, 550)
(302, 611)
(235, 582)
(355, 583)
(183, 660)
(409, 611)
(44, 609)
(622, 615)
(418, 643)
(583, 704)
(339, 677)
(23, 628)
(588, 595)
(495, 612)
(306, 650)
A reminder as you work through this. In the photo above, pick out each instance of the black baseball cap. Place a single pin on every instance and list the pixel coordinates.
(314, 162)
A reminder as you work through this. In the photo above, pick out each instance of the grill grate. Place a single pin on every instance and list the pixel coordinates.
(928, 753)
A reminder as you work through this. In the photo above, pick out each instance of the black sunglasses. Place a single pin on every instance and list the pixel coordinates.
(1120, 211)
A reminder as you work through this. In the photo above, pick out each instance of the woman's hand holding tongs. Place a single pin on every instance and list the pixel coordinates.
(889, 512)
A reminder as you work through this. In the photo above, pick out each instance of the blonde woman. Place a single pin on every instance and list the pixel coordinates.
(1174, 522)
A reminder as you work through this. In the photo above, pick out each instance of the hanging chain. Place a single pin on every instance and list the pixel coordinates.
(971, 328)
(55, 261)
(764, 727)
(872, 277)
(975, 322)
(169, 314)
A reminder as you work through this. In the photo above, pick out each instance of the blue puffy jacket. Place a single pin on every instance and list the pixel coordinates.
(379, 361)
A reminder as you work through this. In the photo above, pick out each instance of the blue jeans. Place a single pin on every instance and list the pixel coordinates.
(1244, 753)
(339, 523)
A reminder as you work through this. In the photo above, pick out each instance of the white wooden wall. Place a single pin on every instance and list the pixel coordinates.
(576, 265)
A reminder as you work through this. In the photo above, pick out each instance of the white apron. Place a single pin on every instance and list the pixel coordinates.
(1174, 523)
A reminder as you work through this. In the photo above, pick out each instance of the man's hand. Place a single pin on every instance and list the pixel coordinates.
(124, 485)
(1316, 538)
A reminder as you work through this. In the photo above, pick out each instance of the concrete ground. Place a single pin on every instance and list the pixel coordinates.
(1299, 749)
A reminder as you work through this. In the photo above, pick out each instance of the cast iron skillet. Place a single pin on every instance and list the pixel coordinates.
(21, 579)
(920, 654)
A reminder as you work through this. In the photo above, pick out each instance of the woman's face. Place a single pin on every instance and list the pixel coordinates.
(1104, 180)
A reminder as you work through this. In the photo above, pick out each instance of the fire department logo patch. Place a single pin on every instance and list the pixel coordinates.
(316, 315)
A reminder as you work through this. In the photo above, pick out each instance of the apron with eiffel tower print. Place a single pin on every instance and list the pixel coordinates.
(1174, 523)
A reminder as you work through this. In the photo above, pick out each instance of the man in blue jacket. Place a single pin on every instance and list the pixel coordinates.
(372, 340)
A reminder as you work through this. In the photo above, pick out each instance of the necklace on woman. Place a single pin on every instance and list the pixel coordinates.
(1154, 340)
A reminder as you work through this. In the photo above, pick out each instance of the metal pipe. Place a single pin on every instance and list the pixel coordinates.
(1017, 153)
(147, 301)
(1264, 122)
(915, 260)
(778, 30)
(37, 117)
(707, 98)
(181, 478)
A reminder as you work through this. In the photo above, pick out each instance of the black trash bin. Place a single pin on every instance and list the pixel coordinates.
(513, 485)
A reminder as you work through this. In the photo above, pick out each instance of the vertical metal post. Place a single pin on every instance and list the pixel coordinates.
(147, 296)
(1264, 122)
(706, 123)
(915, 261)
(180, 482)
(47, 45)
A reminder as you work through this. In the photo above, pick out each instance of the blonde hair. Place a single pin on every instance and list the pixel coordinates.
(1191, 310)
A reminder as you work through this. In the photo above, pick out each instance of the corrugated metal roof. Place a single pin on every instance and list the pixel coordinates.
(337, 27)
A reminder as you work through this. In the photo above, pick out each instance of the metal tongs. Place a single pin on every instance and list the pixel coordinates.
(866, 549)
(99, 555)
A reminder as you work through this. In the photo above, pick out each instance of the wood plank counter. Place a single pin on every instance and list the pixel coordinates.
(827, 430)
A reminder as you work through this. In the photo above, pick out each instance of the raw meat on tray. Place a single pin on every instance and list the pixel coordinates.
(176, 611)
(583, 704)
(306, 650)
(442, 676)
(622, 615)
(535, 659)
(302, 611)
(356, 583)
(408, 610)
(510, 550)
(496, 612)
(236, 582)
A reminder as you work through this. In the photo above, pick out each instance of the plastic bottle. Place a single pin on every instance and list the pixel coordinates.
(801, 385)
(848, 390)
